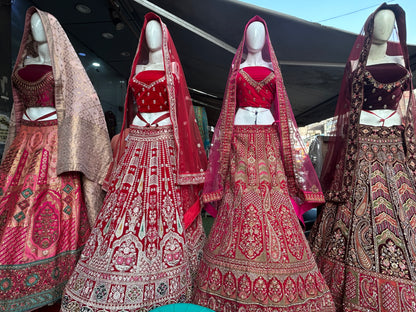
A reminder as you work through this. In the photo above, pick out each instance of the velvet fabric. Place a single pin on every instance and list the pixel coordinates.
(340, 162)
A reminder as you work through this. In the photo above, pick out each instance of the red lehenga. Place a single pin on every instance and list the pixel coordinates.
(43, 215)
(257, 257)
(146, 244)
(365, 239)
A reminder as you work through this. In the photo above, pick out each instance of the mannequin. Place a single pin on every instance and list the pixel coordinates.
(146, 243)
(153, 35)
(255, 39)
(50, 185)
(259, 193)
(43, 58)
(363, 240)
(383, 28)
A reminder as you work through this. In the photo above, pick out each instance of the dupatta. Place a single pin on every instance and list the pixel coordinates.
(303, 184)
(341, 159)
(82, 130)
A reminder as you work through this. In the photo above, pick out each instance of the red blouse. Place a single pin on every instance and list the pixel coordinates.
(256, 87)
(36, 85)
(150, 92)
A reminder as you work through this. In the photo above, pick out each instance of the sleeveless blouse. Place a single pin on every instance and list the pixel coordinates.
(36, 85)
(150, 91)
(384, 85)
(256, 87)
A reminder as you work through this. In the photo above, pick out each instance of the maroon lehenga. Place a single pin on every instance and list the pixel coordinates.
(257, 257)
(365, 239)
(146, 243)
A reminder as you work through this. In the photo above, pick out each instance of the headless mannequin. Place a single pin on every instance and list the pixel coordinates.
(383, 28)
(153, 34)
(43, 58)
(255, 39)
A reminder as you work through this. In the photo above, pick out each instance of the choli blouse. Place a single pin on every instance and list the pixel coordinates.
(256, 87)
(384, 85)
(36, 85)
(150, 91)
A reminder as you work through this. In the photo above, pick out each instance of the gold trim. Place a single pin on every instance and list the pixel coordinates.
(258, 85)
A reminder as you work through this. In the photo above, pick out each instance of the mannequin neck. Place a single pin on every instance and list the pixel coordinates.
(254, 59)
(156, 57)
(377, 52)
(43, 51)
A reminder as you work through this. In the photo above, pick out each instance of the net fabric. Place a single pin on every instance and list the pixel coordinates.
(191, 157)
(303, 183)
(341, 158)
(81, 121)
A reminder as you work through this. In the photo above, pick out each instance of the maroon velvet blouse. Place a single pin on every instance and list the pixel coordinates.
(36, 85)
(256, 87)
(150, 92)
(384, 85)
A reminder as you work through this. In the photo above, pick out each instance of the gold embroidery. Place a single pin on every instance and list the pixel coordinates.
(148, 86)
(386, 86)
(258, 85)
(33, 91)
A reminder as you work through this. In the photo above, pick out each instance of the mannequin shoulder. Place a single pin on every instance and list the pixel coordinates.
(387, 59)
(34, 61)
(268, 65)
(144, 67)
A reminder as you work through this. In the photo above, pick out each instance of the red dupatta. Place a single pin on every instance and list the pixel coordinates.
(303, 184)
(191, 157)
(341, 159)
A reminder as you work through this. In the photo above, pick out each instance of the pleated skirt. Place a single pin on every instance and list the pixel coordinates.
(366, 247)
(257, 257)
(43, 220)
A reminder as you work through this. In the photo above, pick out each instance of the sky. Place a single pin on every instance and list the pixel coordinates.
(348, 15)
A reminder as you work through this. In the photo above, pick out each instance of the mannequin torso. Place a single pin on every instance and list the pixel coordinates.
(255, 39)
(154, 43)
(43, 58)
(383, 28)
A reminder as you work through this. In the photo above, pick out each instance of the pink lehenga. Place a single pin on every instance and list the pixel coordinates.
(257, 257)
(43, 213)
(145, 247)
(365, 239)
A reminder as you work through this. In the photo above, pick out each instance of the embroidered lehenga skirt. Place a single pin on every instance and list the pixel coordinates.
(138, 255)
(43, 220)
(257, 257)
(366, 247)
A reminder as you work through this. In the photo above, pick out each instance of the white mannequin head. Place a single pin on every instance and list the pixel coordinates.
(383, 26)
(154, 35)
(36, 26)
(255, 37)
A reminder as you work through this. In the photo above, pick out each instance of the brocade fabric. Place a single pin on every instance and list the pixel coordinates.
(82, 130)
(43, 220)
